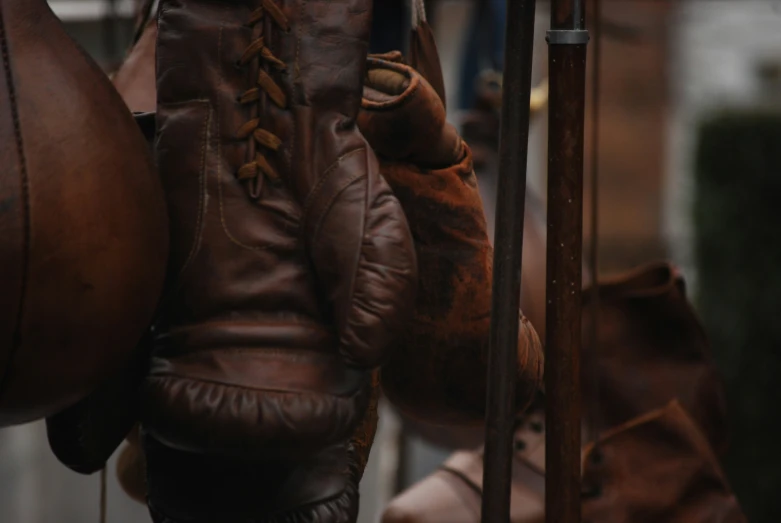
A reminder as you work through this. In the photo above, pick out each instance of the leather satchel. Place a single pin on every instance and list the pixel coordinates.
(651, 350)
(658, 467)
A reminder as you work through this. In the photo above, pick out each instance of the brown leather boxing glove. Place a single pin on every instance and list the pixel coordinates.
(292, 262)
(316, 488)
(438, 370)
(131, 464)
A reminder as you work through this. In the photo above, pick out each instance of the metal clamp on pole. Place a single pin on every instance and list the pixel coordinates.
(567, 37)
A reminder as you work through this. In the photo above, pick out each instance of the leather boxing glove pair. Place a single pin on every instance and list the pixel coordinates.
(292, 271)
(399, 108)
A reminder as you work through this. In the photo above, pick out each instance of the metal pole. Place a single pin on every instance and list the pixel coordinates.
(508, 249)
(567, 41)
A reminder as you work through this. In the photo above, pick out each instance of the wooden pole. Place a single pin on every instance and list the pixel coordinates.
(567, 41)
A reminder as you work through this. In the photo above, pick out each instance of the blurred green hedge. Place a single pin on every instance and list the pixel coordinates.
(737, 218)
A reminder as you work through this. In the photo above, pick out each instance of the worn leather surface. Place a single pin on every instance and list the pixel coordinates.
(658, 467)
(85, 435)
(258, 357)
(83, 236)
(292, 263)
(357, 234)
(189, 487)
(651, 348)
(438, 370)
(131, 464)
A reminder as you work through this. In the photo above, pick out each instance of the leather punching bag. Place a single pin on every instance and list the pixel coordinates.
(83, 227)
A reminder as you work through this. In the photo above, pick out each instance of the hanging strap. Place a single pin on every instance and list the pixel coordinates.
(148, 8)
(424, 56)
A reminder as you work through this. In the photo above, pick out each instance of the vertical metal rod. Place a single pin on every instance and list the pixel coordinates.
(567, 68)
(508, 249)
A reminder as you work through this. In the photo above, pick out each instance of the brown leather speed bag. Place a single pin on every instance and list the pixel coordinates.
(83, 227)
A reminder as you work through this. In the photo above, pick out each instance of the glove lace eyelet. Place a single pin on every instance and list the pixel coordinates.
(259, 57)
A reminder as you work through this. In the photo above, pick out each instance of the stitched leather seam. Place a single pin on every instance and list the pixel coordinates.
(282, 351)
(330, 203)
(168, 375)
(199, 224)
(232, 238)
(318, 187)
(290, 512)
(399, 101)
(302, 324)
(328, 206)
(16, 341)
(468, 482)
(359, 256)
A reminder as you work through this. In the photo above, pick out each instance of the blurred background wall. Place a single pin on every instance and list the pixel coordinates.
(724, 166)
